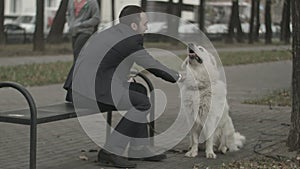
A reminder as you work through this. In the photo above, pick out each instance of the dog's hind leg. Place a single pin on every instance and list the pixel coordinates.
(209, 150)
(194, 139)
(222, 146)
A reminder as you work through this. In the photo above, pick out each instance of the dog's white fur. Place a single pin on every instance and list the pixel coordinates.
(204, 98)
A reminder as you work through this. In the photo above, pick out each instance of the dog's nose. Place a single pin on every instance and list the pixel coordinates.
(192, 55)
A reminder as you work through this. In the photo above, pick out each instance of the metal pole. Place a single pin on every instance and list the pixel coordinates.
(108, 125)
(33, 121)
(152, 97)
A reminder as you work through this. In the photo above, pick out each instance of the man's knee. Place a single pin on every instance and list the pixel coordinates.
(138, 88)
(145, 106)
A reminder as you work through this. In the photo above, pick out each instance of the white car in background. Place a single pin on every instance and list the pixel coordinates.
(161, 27)
(217, 29)
(27, 22)
(157, 27)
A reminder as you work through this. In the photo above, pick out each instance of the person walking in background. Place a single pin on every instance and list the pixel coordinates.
(82, 17)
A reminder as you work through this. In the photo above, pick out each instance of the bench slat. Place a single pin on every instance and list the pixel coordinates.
(44, 114)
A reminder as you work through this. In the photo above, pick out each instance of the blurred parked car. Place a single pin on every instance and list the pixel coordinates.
(275, 29)
(157, 27)
(27, 22)
(15, 34)
(217, 29)
(22, 29)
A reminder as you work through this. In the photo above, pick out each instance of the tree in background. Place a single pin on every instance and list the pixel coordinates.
(257, 21)
(293, 141)
(2, 35)
(172, 22)
(113, 10)
(100, 5)
(100, 10)
(268, 22)
(201, 15)
(144, 4)
(251, 31)
(56, 31)
(235, 24)
(179, 8)
(285, 32)
(38, 40)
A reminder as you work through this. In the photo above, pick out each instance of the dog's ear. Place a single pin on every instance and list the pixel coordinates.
(184, 63)
(208, 56)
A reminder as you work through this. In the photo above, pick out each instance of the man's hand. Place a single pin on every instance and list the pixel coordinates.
(181, 77)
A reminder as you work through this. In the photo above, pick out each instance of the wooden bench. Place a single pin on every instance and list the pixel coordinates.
(34, 116)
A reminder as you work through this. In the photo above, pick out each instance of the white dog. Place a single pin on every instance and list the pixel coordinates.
(204, 98)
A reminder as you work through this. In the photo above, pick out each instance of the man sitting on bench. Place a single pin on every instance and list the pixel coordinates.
(114, 92)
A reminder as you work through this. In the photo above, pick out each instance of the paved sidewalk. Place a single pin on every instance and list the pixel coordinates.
(61, 143)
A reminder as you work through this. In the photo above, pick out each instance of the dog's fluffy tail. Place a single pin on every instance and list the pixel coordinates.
(238, 142)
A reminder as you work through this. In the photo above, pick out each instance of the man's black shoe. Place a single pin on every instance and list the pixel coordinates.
(155, 158)
(107, 159)
(145, 151)
(69, 97)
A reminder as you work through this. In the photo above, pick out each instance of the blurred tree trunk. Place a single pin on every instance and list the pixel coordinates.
(179, 8)
(144, 4)
(2, 35)
(170, 20)
(100, 5)
(170, 7)
(251, 31)
(257, 20)
(38, 40)
(113, 10)
(201, 15)
(293, 141)
(173, 22)
(57, 28)
(268, 22)
(285, 32)
(235, 24)
(100, 9)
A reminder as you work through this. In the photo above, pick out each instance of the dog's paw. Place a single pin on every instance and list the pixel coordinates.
(211, 155)
(233, 148)
(191, 153)
(223, 149)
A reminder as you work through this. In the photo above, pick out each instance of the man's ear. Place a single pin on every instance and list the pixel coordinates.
(134, 26)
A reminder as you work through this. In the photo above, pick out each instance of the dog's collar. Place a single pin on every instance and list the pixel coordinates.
(197, 88)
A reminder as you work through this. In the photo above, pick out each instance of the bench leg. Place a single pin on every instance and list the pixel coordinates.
(108, 125)
(33, 139)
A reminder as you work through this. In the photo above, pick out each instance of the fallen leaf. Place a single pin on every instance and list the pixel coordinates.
(83, 157)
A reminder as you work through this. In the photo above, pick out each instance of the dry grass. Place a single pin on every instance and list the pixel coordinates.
(36, 74)
(275, 98)
(18, 50)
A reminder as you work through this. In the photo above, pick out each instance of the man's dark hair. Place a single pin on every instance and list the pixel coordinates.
(130, 14)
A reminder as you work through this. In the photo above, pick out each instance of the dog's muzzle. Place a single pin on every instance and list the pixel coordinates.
(196, 57)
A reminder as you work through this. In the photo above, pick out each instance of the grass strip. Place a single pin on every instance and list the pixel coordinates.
(249, 57)
(20, 50)
(280, 97)
(53, 73)
(36, 74)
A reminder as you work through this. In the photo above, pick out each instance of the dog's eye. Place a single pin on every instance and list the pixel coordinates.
(201, 49)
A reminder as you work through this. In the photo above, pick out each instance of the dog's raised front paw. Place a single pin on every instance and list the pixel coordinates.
(211, 155)
(191, 153)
